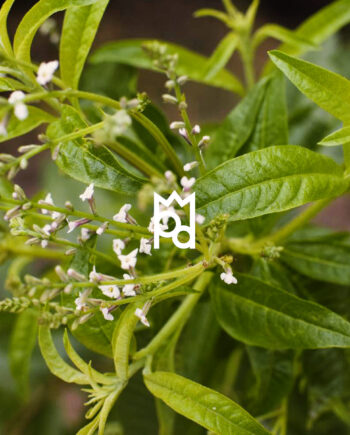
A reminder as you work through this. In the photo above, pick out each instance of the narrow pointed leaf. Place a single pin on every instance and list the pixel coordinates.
(23, 339)
(267, 181)
(340, 137)
(208, 408)
(327, 89)
(258, 121)
(36, 117)
(121, 340)
(191, 64)
(261, 314)
(324, 261)
(284, 35)
(79, 30)
(54, 361)
(4, 12)
(221, 55)
(34, 18)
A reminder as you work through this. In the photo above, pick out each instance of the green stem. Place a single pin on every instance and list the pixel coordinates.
(178, 319)
(192, 137)
(136, 161)
(247, 54)
(31, 251)
(80, 214)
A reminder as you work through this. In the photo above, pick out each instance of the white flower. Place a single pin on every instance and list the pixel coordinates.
(128, 261)
(141, 315)
(176, 125)
(118, 246)
(162, 227)
(81, 301)
(88, 194)
(200, 219)
(196, 129)
(128, 289)
(72, 273)
(106, 314)
(47, 229)
(47, 200)
(44, 244)
(170, 176)
(72, 225)
(20, 109)
(120, 122)
(16, 97)
(102, 229)
(3, 129)
(85, 234)
(228, 277)
(189, 166)
(121, 216)
(46, 72)
(187, 183)
(112, 291)
(145, 246)
(94, 276)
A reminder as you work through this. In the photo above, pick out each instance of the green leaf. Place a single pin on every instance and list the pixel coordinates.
(23, 339)
(81, 364)
(54, 361)
(191, 64)
(89, 163)
(35, 118)
(34, 18)
(121, 341)
(258, 121)
(206, 407)
(79, 30)
(8, 84)
(274, 377)
(221, 55)
(321, 25)
(324, 261)
(340, 137)
(5, 40)
(267, 181)
(261, 314)
(282, 34)
(327, 89)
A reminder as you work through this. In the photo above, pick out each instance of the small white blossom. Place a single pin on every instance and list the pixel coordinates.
(106, 314)
(121, 216)
(3, 129)
(44, 244)
(200, 219)
(196, 129)
(228, 277)
(141, 315)
(162, 227)
(145, 246)
(170, 177)
(129, 261)
(102, 229)
(46, 72)
(75, 275)
(85, 234)
(187, 183)
(120, 122)
(81, 301)
(47, 200)
(111, 291)
(72, 225)
(94, 276)
(204, 141)
(20, 109)
(118, 246)
(189, 166)
(88, 194)
(47, 229)
(128, 289)
(176, 125)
